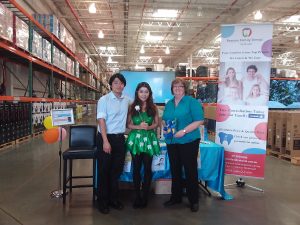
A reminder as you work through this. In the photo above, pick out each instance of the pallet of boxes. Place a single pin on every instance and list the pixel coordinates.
(210, 121)
(284, 135)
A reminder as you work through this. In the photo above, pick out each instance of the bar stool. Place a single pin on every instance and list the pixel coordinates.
(82, 145)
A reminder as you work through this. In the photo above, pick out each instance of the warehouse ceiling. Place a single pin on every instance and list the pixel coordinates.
(186, 27)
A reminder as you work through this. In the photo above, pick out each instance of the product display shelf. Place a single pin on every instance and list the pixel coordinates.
(12, 52)
(19, 11)
(31, 99)
(200, 78)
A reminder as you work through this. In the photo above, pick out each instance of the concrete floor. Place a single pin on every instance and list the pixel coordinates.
(29, 172)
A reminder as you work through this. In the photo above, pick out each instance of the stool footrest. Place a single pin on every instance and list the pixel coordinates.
(76, 177)
(80, 186)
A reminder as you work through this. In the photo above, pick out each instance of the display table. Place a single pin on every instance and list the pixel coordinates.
(210, 167)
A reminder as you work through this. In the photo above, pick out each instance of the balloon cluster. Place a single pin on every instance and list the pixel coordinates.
(53, 134)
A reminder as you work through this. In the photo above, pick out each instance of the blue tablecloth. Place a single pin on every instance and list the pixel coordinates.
(210, 170)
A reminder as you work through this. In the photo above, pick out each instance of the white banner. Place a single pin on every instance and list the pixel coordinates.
(242, 111)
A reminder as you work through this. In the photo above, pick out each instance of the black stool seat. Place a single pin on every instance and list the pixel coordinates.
(79, 154)
(82, 145)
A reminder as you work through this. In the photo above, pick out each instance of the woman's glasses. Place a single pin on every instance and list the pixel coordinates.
(181, 86)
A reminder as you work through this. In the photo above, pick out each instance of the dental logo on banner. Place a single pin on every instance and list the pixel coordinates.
(242, 109)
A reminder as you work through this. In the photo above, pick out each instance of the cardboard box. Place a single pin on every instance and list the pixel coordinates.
(280, 130)
(21, 33)
(293, 134)
(37, 43)
(49, 22)
(56, 57)
(70, 66)
(210, 112)
(46, 51)
(63, 61)
(83, 58)
(6, 23)
(163, 187)
(271, 130)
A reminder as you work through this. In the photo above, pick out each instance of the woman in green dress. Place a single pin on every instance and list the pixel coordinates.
(142, 141)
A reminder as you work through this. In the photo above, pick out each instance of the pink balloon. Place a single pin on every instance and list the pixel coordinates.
(63, 132)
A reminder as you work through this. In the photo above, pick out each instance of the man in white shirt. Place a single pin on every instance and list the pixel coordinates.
(112, 111)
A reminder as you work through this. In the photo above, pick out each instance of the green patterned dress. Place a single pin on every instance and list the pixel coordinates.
(143, 141)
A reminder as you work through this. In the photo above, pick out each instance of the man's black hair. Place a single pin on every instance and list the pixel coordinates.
(119, 76)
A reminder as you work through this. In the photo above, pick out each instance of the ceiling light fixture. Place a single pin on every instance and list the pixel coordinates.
(218, 39)
(142, 51)
(159, 60)
(92, 8)
(199, 13)
(293, 19)
(109, 60)
(145, 57)
(166, 13)
(258, 15)
(153, 38)
(179, 38)
(100, 34)
(167, 51)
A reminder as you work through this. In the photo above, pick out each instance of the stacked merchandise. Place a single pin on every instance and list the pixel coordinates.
(69, 41)
(73, 106)
(70, 66)
(46, 51)
(76, 69)
(14, 121)
(79, 112)
(40, 111)
(66, 38)
(56, 57)
(21, 33)
(37, 45)
(84, 58)
(88, 79)
(84, 110)
(62, 61)
(6, 23)
(284, 133)
(91, 109)
(92, 81)
(210, 121)
(50, 22)
(59, 105)
(293, 134)
(92, 65)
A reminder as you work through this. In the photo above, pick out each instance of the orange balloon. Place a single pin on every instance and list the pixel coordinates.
(50, 136)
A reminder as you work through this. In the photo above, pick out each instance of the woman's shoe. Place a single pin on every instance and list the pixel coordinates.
(172, 202)
(144, 203)
(137, 203)
(195, 207)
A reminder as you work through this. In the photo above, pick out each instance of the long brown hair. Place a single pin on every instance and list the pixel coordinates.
(150, 107)
(227, 79)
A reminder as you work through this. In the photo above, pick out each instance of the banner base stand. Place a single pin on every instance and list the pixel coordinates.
(204, 187)
(241, 183)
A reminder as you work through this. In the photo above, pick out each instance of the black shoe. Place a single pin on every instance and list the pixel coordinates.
(144, 203)
(195, 207)
(137, 203)
(116, 205)
(172, 202)
(103, 207)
